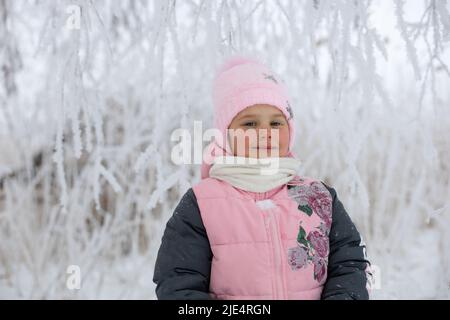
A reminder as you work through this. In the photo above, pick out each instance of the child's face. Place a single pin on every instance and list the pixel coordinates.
(264, 132)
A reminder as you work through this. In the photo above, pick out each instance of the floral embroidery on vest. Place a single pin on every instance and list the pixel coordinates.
(314, 197)
(314, 246)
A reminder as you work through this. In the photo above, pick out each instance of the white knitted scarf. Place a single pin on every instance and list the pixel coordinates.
(252, 174)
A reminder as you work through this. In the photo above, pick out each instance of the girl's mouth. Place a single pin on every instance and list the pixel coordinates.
(265, 148)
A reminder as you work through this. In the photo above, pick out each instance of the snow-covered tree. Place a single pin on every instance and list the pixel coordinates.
(91, 92)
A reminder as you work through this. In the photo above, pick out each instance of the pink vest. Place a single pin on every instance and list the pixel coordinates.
(270, 245)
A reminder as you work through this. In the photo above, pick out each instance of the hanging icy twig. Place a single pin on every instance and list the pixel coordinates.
(110, 178)
(169, 182)
(410, 49)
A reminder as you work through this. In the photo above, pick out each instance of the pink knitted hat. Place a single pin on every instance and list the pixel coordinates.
(240, 83)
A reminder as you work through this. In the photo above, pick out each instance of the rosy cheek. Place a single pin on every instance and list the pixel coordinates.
(284, 139)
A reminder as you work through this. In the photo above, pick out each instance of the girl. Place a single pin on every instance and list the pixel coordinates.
(247, 232)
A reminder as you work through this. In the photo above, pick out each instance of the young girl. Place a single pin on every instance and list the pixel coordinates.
(246, 233)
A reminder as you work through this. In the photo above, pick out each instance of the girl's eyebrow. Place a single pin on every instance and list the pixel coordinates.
(248, 116)
(256, 115)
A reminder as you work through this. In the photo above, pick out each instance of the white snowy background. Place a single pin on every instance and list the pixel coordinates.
(90, 92)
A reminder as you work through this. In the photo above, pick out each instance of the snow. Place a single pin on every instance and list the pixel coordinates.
(88, 104)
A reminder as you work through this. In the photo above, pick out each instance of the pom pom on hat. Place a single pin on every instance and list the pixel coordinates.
(235, 61)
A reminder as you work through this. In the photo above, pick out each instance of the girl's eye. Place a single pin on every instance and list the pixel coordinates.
(276, 123)
(250, 124)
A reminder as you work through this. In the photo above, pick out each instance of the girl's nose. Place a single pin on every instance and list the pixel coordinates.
(264, 133)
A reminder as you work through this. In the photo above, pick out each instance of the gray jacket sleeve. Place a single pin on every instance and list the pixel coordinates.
(183, 265)
(347, 261)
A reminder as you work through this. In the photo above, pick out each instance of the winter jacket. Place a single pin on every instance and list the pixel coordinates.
(292, 242)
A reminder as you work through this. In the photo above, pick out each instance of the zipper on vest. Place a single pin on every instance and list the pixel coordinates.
(279, 291)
